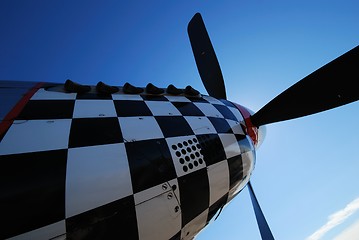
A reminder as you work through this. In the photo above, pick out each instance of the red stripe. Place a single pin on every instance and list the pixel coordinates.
(252, 130)
(9, 118)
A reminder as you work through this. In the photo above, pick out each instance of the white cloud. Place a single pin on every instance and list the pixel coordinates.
(352, 232)
(335, 219)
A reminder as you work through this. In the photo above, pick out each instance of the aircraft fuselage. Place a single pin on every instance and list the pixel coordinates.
(90, 165)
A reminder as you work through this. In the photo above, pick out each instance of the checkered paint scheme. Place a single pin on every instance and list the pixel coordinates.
(148, 167)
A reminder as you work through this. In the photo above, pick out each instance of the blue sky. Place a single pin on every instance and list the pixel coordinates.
(307, 169)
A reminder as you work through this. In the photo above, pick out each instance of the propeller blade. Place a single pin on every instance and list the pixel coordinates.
(261, 220)
(333, 85)
(206, 60)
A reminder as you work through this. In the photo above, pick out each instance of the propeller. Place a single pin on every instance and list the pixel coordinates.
(261, 220)
(206, 59)
(211, 75)
(333, 85)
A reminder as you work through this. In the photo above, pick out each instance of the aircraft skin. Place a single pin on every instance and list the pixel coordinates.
(103, 162)
(100, 166)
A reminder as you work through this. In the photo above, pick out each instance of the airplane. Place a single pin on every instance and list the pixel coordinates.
(104, 162)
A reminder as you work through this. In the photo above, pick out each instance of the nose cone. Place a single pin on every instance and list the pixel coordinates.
(257, 134)
(262, 132)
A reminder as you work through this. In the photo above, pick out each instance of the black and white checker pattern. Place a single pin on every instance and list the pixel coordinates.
(113, 162)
